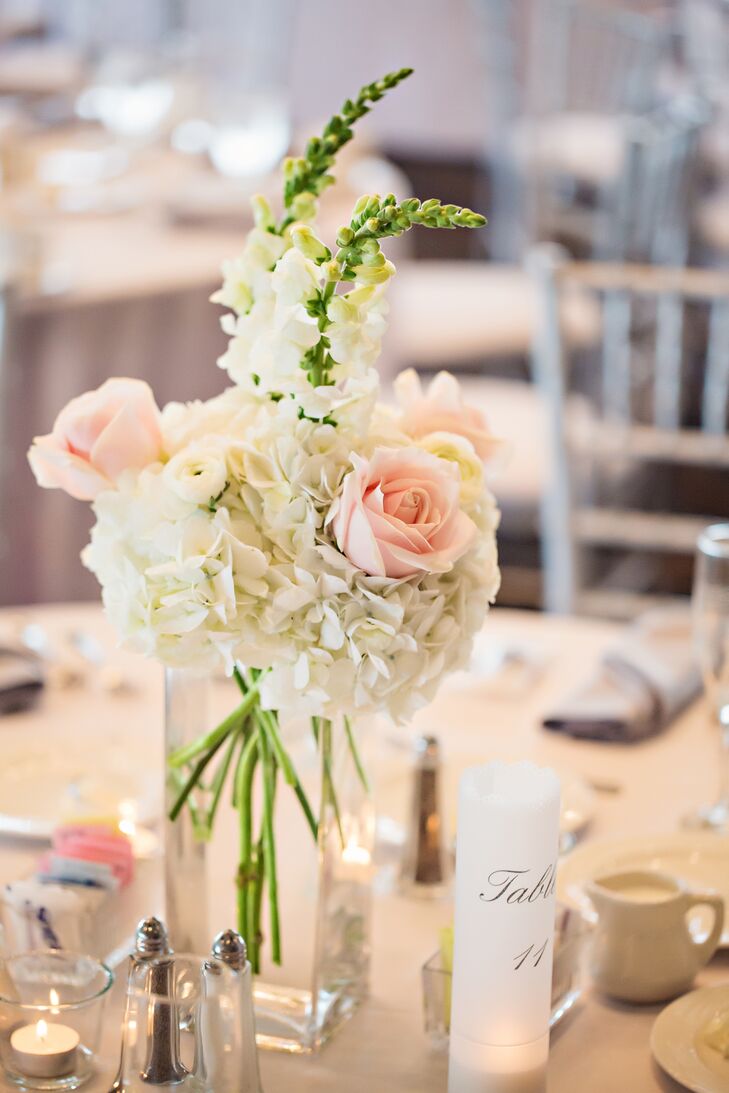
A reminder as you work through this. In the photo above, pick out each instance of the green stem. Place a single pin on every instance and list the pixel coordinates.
(178, 781)
(254, 931)
(268, 764)
(256, 902)
(185, 754)
(322, 728)
(268, 722)
(194, 777)
(361, 773)
(221, 774)
(270, 725)
(244, 793)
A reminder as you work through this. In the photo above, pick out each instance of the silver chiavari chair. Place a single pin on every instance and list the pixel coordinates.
(649, 409)
(593, 57)
(704, 36)
(562, 81)
(646, 215)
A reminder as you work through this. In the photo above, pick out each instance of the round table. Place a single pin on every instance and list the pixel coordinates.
(602, 1047)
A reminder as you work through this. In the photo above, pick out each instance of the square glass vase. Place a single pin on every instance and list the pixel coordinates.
(324, 884)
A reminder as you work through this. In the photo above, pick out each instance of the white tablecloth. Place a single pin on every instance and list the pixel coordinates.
(600, 1048)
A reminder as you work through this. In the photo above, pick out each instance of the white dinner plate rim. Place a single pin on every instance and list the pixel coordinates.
(689, 1069)
(15, 825)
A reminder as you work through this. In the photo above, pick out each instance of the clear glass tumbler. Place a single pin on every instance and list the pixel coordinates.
(51, 1008)
(710, 604)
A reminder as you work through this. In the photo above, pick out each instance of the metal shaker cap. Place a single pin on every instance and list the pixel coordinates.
(151, 938)
(427, 751)
(230, 948)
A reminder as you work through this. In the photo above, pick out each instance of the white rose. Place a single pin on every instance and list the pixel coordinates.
(197, 473)
(458, 450)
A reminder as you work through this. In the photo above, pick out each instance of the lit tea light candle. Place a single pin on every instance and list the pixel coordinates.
(506, 861)
(45, 1051)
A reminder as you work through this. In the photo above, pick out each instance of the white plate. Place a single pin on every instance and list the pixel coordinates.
(39, 790)
(392, 794)
(700, 859)
(677, 1045)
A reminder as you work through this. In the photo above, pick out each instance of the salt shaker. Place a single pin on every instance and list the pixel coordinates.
(226, 1054)
(426, 865)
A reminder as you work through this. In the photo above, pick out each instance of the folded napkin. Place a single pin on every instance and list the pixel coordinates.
(641, 684)
(21, 680)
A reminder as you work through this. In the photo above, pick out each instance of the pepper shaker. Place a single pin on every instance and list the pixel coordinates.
(150, 1050)
(426, 865)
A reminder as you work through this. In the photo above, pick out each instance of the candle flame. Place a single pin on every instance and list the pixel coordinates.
(41, 1030)
(54, 997)
(127, 823)
(354, 854)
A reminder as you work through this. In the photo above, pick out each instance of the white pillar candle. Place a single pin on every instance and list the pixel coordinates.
(506, 860)
(44, 1050)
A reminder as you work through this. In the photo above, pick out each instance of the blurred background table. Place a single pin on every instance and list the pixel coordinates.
(128, 148)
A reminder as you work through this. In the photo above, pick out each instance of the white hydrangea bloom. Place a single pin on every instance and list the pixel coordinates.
(254, 575)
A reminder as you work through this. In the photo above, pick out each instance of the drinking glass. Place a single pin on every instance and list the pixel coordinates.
(710, 605)
(243, 49)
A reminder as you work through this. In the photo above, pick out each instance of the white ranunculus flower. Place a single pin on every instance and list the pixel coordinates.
(198, 473)
(458, 450)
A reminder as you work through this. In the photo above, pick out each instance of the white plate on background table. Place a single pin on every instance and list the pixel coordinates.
(39, 790)
(700, 859)
(393, 788)
(677, 1045)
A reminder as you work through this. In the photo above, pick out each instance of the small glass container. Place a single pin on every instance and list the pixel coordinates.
(569, 943)
(51, 1008)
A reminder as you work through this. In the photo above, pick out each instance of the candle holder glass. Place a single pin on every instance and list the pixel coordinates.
(51, 1008)
(571, 932)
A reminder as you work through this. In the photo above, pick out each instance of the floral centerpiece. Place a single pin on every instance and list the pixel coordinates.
(335, 555)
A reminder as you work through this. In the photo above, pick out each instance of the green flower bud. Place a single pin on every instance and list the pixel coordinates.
(377, 259)
(303, 207)
(344, 237)
(304, 240)
(262, 214)
(373, 225)
(292, 164)
(361, 205)
(373, 275)
(331, 270)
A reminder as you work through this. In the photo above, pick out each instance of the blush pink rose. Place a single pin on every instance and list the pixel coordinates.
(442, 410)
(398, 514)
(96, 437)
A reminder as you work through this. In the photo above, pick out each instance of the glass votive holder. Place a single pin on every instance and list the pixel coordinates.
(571, 932)
(51, 1008)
